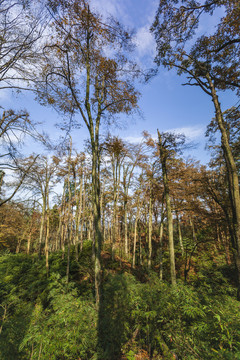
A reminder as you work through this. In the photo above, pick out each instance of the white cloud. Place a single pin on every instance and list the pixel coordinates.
(191, 132)
(5, 94)
(145, 42)
(134, 139)
(109, 7)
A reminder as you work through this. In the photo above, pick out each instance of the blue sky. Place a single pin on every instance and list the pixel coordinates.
(165, 104)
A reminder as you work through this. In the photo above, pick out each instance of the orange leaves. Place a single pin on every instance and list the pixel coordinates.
(50, 100)
(86, 64)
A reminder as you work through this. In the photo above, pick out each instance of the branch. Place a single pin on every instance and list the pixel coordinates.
(20, 183)
(230, 42)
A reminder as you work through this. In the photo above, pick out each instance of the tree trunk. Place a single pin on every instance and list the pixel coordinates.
(125, 227)
(83, 213)
(179, 233)
(135, 232)
(233, 179)
(161, 247)
(42, 226)
(47, 232)
(96, 214)
(169, 210)
(78, 216)
(29, 242)
(59, 238)
(150, 228)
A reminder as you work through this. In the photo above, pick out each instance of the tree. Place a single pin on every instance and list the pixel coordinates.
(135, 158)
(14, 227)
(165, 148)
(175, 27)
(41, 181)
(14, 126)
(167, 145)
(116, 150)
(211, 63)
(20, 32)
(88, 75)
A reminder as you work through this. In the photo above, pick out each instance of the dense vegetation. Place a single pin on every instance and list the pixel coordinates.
(121, 251)
(139, 316)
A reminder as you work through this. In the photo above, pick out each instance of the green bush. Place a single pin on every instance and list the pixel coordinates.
(67, 329)
(47, 318)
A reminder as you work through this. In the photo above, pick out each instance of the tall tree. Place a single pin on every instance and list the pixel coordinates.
(135, 158)
(21, 27)
(87, 74)
(20, 31)
(14, 126)
(209, 62)
(40, 181)
(116, 150)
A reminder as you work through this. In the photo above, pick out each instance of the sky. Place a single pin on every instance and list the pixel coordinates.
(165, 104)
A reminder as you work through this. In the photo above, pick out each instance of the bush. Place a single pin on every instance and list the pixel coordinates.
(67, 329)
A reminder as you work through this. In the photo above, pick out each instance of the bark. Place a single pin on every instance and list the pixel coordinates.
(233, 180)
(29, 242)
(125, 227)
(127, 176)
(4, 316)
(161, 247)
(69, 212)
(163, 159)
(42, 225)
(83, 212)
(78, 216)
(150, 228)
(59, 238)
(139, 204)
(96, 218)
(116, 164)
(47, 233)
(102, 210)
(179, 233)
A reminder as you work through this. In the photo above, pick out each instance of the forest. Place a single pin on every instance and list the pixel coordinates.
(117, 250)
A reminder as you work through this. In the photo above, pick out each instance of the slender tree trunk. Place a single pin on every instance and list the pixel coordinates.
(68, 255)
(42, 226)
(69, 212)
(96, 214)
(150, 228)
(18, 245)
(170, 238)
(102, 210)
(225, 241)
(30, 232)
(83, 213)
(134, 243)
(59, 238)
(140, 247)
(161, 246)
(4, 316)
(125, 226)
(116, 183)
(78, 216)
(47, 231)
(168, 208)
(29, 242)
(47, 243)
(139, 206)
(179, 233)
